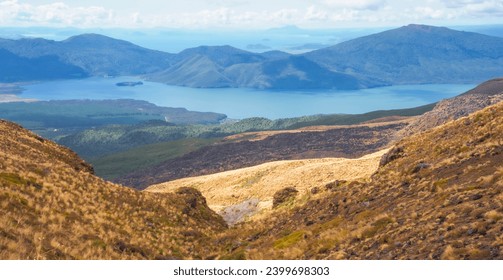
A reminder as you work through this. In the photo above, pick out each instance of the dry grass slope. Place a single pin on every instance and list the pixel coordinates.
(251, 149)
(52, 207)
(257, 185)
(437, 195)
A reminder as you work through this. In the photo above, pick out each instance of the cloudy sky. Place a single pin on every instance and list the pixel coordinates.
(245, 14)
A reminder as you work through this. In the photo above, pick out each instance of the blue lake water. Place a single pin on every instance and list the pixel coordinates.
(241, 103)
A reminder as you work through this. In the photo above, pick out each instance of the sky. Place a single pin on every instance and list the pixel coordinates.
(244, 14)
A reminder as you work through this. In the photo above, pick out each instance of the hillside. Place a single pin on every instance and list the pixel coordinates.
(92, 144)
(298, 72)
(96, 55)
(436, 195)
(115, 165)
(345, 141)
(230, 67)
(15, 68)
(53, 207)
(223, 56)
(485, 94)
(57, 118)
(240, 193)
(416, 54)
(413, 54)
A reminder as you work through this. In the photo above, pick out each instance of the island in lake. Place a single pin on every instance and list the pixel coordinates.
(129, 84)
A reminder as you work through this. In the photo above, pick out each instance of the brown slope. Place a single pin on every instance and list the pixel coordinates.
(345, 141)
(52, 207)
(437, 195)
(252, 189)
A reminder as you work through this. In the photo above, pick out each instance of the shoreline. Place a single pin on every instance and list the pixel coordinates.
(9, 98)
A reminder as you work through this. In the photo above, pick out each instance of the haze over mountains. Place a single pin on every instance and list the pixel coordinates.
(411, 54)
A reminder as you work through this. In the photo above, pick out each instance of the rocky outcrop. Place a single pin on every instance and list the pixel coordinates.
(484, 95)
(283, 196)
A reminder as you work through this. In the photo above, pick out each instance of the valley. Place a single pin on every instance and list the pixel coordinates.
(348, 142)
(60, 118)
(387, 146)
(433, 195)
(242, 193)
(422, 203)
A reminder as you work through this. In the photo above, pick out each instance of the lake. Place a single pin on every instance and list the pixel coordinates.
(238, 103)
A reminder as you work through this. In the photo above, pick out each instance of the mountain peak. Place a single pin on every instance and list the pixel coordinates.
(423, 28)
(415, 54)
(91, 38)
(221, 55)
(214, 49)
(95, 40)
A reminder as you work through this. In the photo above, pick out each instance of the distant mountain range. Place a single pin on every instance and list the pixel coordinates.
(417, 54)
(92, 54)
(412, 54)
(16, 68)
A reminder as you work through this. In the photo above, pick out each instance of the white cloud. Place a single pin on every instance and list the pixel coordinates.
(244, 13)
(428, 13)
(58, 13)
(460, 3)
(485, 8)
(356, 4)
(315, 14)
(475, 8)
(226, 17)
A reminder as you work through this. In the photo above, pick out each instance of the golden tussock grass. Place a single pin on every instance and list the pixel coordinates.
(52, 207)
(263, 181)
(439, 197)
(436, 195)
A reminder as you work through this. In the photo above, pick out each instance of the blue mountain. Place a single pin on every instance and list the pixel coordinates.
(14, 68)
(416, 54)
(412, 54)
(97, 55)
